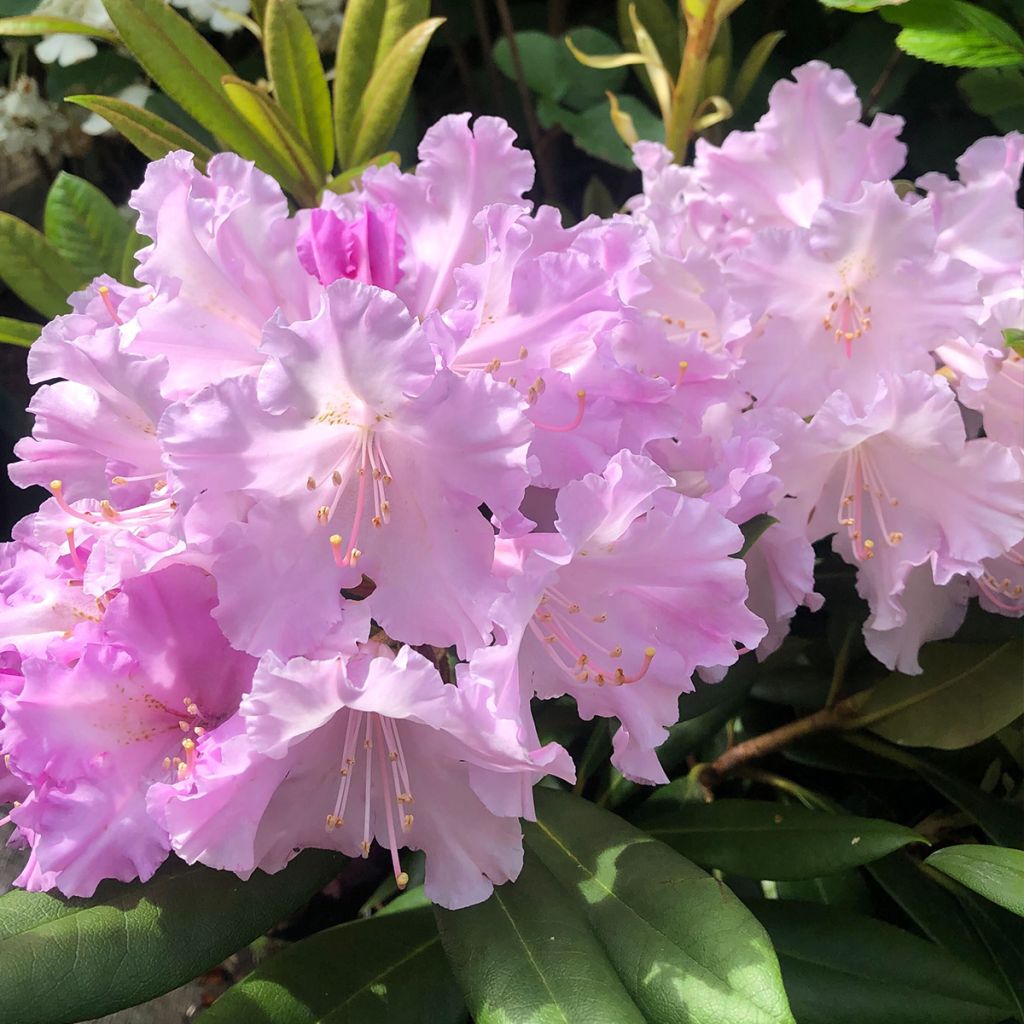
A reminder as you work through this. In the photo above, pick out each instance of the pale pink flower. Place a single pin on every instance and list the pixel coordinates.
(337, 754)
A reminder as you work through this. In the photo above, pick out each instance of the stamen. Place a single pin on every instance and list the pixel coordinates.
(581, 398)
(75, 557)
(621, 678)
(683, 367)
(57, 489)
(336, 543)
(389, 814)
(109, 511)
(367, 746)
(104, 293)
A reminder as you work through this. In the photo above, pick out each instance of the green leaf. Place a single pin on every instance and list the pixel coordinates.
(357, 49)
(18, 332)
(999, 930)
(384, 970)
(348, 180)
(85, 226)
(965, 693)
(662, 26)
(752, 66)
(43, 25)
(991, 871)
(292, 164)
(955, 33)
(293, 63)
(594, 132)
(34, 270)
(381, 105)
(149, 133)
(132, 942)
(753, 530)
(685, 948)
(400, 16)
(553, 72)
(841, 968)
(859, 6)
(761, 839)
(189, 70)
(1014, 338)
(528, 956)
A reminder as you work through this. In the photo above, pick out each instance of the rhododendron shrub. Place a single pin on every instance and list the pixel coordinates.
(341, 497)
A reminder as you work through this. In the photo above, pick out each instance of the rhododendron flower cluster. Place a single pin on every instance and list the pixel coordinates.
(338, 494)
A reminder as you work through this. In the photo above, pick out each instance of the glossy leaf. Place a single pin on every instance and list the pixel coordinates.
(965, 693)
(34, 270)
(527, 955)
(17, 332)
(85, 226)
(387, 91)
(292, 163)
(383, 970)
(133, 942)
(43, 25)
(353, 66)
(684, 946)
(300, 87)
(761, 839)
(841, 968)
(188, 69)
(991, 871)
(149, 133)
(955, 33)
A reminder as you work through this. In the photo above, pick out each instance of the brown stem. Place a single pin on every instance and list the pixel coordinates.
(883, 80)
(547, 179)
(840, 716)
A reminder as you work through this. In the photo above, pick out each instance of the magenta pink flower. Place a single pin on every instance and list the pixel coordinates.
(366, 249)
(91, 734)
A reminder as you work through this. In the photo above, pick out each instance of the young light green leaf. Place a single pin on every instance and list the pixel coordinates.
(388, 89)
(297, 76)
(859, 6)
(527, 954)
(965, 693)
(991, 871)
(353, 66)
(841, 968)
(685, 948)
(34, 270)
(132, 942)
(85, 226)
(761, 839)
(44, 25)
(753, 64)
(292, 164)
(17, 332)
(400, 16)
(1014, 338)
(189, 70)
(347, 180)
(384, 970)
(661, 25)
(955, 33)
(152, 135)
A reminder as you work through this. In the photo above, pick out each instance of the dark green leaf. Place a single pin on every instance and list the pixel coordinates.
(387, 91)
(297, 75)
(845, 891)
(991, 871)
(85, 226)
(842, 968)
(527, 955)
(151, 134)
(385, 970)
(761, 839)
(964, 694)
(594, 132)
(999, 930)
(685, 948)
(188, 69)
(34, 270)
(17, 332)
(753, 530)
(955, 33)
(132, 942)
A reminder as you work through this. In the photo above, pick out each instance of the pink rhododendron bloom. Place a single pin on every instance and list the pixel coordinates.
(810, 147)
(859, 292)
(624, 602)
(336, 754)
(360, 445)
(896, 480)
(91, 734)
(366, 249)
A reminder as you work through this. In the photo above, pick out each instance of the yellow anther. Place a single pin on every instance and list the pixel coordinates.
(401, 880)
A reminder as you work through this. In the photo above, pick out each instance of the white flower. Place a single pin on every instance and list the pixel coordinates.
(219, 13)
(64, 48)
(27, 121)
